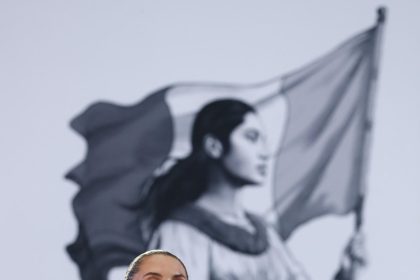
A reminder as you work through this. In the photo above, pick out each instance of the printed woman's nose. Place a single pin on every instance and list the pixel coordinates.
(264, 154)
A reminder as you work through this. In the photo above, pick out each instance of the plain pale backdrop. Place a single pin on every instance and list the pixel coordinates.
(56, 57)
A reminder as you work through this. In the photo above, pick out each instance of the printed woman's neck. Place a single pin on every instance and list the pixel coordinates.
(222, 195)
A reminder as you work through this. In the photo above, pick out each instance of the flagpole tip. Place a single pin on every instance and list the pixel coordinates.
(381, 14)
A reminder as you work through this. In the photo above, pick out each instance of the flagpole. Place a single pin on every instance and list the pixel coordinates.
(358, 209)
(376, 49)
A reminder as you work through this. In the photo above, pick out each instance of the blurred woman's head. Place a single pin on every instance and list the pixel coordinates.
(218, 118)
(227, 135)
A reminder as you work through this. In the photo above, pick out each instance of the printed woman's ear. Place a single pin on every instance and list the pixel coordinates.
(212, 146)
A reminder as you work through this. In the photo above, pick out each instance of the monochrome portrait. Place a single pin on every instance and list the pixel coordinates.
(252, 140)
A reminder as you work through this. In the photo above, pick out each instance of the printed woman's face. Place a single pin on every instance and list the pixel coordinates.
(248, 154)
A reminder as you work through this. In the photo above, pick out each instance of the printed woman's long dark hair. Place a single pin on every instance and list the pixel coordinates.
(187, 180)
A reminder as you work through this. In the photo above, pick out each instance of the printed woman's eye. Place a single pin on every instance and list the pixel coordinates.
(252, 135)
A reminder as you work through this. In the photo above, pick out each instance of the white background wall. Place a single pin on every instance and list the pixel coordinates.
(56, 57)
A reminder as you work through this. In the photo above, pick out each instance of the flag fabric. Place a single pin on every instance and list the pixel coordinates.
(317, 168)
(321, 164)
(119, 159)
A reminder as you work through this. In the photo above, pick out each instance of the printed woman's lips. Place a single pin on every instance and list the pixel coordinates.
(262, 169)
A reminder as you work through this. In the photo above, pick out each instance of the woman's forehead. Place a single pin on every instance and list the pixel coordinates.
(161, 263)
(252, 121)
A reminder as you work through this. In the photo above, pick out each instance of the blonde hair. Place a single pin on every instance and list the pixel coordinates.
(134, 266)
